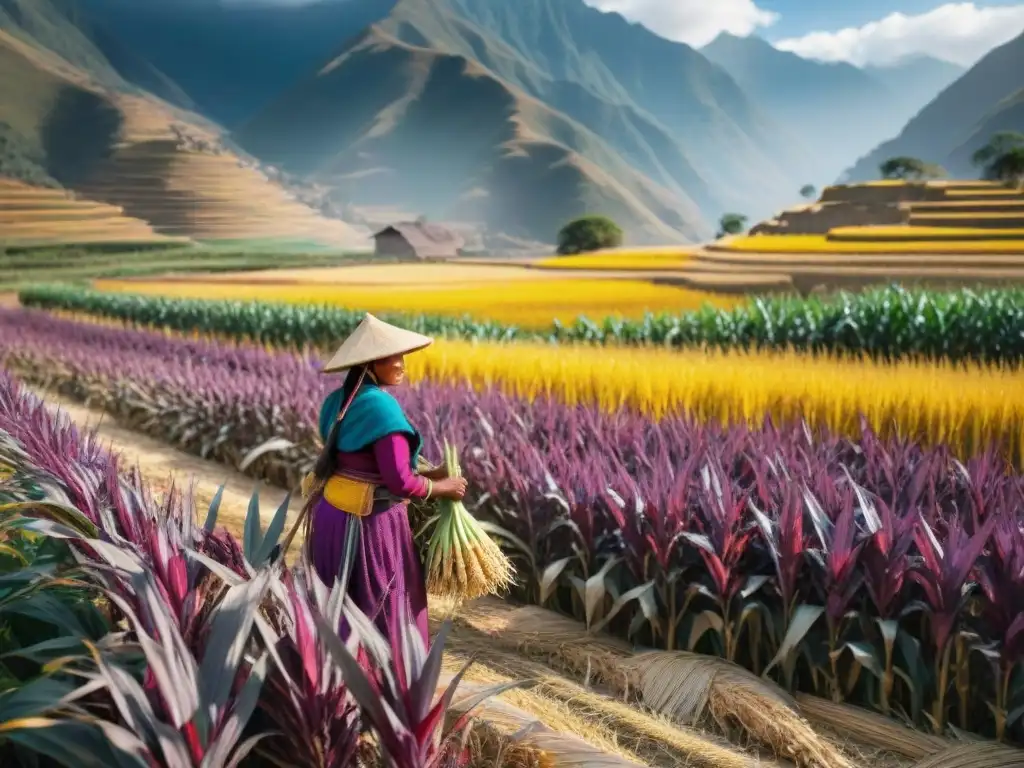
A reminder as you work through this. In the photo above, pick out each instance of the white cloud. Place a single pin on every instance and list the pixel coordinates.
(696, 22)
(957, 32)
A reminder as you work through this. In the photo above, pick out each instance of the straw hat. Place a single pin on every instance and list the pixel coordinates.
(374, 339)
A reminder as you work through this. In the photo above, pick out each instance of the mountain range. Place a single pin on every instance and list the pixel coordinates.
(516, 116)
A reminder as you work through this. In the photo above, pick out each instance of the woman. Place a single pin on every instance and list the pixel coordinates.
(366, 475)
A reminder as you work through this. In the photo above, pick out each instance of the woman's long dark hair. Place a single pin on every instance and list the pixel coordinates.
(327, 463)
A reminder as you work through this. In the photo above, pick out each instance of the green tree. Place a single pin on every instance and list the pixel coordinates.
(731, 224)
(1002, 159)
(910, 168)
(588, 233)
(808, 191)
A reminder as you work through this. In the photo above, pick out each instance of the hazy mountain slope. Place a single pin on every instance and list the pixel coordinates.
(918, 79)
(57, 26)
(723, 134)
(234, 58)
(838, 110)
(436, 132)
(961, 118)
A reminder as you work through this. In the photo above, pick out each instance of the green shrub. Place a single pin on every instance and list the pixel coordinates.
(588, 233)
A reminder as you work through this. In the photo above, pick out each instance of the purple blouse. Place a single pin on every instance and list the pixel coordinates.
(390, 458)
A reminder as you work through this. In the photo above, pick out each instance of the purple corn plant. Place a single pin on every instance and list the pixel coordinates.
(399, 697)
(943, 575)
(1001, 576)
(306, 697)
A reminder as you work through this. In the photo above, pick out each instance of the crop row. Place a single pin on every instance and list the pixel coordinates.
(867, 570)
(228, 659)
(985, 326)
(967, 408)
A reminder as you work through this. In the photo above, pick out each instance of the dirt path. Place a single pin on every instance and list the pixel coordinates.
(555, 720)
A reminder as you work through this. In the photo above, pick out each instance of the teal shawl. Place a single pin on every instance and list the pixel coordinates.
(373, 414)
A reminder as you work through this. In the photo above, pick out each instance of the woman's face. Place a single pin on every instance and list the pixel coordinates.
(390, 371)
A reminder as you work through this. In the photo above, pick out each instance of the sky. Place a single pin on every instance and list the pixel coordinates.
(862, 32)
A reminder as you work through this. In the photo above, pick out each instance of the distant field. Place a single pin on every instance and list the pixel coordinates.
(507, 294)
(821, 244)
(381, 274)
(25, 265)
(645, 259)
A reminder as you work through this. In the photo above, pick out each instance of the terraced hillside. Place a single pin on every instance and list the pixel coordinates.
(68, 125)
(935, 233)
(32, 215)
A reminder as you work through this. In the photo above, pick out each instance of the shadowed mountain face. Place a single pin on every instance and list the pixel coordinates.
(232, 58)
(839, 111)
(988, 98)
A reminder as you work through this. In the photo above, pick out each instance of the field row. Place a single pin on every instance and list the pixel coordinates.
(832, 565)
(984, 326)
(968, 408)
(532, 304)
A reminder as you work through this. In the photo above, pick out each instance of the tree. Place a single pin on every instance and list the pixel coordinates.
(588, 233)
(908, 168)
(808, 191)
(731, 224)
(1008, 167)
(1001, 158)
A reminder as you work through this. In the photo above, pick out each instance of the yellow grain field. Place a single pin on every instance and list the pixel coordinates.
(623, 259)
(821, 244)
(530, 304)
(412, 274)
(966, 408)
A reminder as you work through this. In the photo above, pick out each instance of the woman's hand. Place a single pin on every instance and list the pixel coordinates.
(450, 488)
(437, 473)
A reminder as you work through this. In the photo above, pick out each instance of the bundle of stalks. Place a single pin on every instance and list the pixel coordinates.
(463, 563)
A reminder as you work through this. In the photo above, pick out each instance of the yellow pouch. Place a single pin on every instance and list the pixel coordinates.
(348, 495)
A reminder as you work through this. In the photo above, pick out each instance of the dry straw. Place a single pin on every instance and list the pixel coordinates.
(687, 688)
(652, 738)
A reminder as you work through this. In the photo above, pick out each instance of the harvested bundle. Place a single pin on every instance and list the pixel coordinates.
(463, 563)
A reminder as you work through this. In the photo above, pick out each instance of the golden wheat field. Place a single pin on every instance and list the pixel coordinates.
(530, 304)
(823, 245)
(643, 259)
(966, 407)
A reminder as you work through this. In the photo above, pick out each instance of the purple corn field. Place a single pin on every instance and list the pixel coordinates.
(188, 595)
(871, 571)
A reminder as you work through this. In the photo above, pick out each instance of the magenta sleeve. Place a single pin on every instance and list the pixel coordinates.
(393, 463)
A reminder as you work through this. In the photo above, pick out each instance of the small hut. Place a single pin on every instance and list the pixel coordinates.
(417, 240)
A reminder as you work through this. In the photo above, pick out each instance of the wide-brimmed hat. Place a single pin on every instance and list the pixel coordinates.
(374, 339)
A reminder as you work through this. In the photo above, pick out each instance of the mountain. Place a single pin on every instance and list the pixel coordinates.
(988, 98)
(54, 26)
(232, 58)
(528, 114)
(838, 110)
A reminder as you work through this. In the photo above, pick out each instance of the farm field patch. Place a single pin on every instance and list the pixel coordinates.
(824, 245)
(531, 303)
